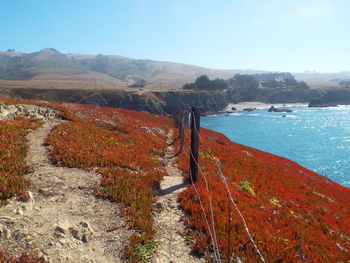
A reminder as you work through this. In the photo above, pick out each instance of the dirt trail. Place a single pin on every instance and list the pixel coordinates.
(63, 221)
(172, 245)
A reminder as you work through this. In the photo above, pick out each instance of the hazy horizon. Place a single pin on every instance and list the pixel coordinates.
(273, 35)
(179, 62)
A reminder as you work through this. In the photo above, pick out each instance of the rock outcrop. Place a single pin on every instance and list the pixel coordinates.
(332, 98)
(273, 109)
(290, 96)
(10, 112)
(249, 109)
(164, 103)
(157, 102)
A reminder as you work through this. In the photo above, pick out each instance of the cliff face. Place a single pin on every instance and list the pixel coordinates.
(332, 98)
(160, 102)
(183, 100)
(166, 102)
(291, 96)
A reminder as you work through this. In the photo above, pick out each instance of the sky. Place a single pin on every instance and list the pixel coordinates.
(279, 35)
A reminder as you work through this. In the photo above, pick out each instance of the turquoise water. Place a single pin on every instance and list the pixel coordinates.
(316, 138)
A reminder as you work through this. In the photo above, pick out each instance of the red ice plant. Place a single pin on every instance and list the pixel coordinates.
(127, 148)
(13, 150)
(24, 258)
(293, 214)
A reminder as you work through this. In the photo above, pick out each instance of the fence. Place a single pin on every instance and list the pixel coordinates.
(182, 121)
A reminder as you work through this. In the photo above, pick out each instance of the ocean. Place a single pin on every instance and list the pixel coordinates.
(316, 138)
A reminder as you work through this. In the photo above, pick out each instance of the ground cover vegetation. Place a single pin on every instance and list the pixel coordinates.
(24, 258)
(292, 213)
(126, 148)
(13, 150)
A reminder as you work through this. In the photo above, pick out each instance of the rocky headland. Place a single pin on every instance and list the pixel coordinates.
(157, 102)
(332, 98)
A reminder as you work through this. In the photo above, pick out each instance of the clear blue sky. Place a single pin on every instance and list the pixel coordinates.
(285, 35)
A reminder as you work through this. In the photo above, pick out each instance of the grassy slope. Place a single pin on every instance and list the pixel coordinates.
(26, 66)
(49, 68)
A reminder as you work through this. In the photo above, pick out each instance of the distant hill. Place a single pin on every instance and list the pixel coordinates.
(49, 68)
(26, 66)
(322, 80)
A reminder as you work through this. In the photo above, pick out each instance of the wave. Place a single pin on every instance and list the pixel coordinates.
(344, 106)
(345, 139)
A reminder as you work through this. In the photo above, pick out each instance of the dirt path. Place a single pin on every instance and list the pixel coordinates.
(172, 245)
(63, 221)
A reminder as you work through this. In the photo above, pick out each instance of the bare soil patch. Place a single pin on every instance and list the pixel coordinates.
(172, 243)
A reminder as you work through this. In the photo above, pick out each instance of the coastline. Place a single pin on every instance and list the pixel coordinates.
(262, 105)
(251, 128)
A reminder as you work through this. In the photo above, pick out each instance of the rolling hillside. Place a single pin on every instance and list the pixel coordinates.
(49, 68)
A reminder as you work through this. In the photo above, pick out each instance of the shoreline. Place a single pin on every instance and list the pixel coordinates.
(261, 105)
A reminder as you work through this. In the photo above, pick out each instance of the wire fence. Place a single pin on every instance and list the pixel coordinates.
(210, 222)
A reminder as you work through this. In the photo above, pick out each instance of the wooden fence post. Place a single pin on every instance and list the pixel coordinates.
(229, 259)
(176, 119)
(182, 133)
(195, 122)
(186, 119)
(180, 120)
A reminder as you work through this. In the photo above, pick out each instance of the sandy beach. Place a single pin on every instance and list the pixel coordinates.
(261, 105)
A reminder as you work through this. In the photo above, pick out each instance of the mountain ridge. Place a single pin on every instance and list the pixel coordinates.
(49, 67)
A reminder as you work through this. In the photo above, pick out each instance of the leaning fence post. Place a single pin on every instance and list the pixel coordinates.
(187, 120)
(195, 122)
(176, 120)
(182, 133)
(180, 120)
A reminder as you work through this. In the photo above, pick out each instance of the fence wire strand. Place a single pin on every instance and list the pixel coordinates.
(213, 236)
(224, 180)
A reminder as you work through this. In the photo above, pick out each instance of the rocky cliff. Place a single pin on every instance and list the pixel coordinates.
(290, 96)
(158, 102)
(332, 98)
